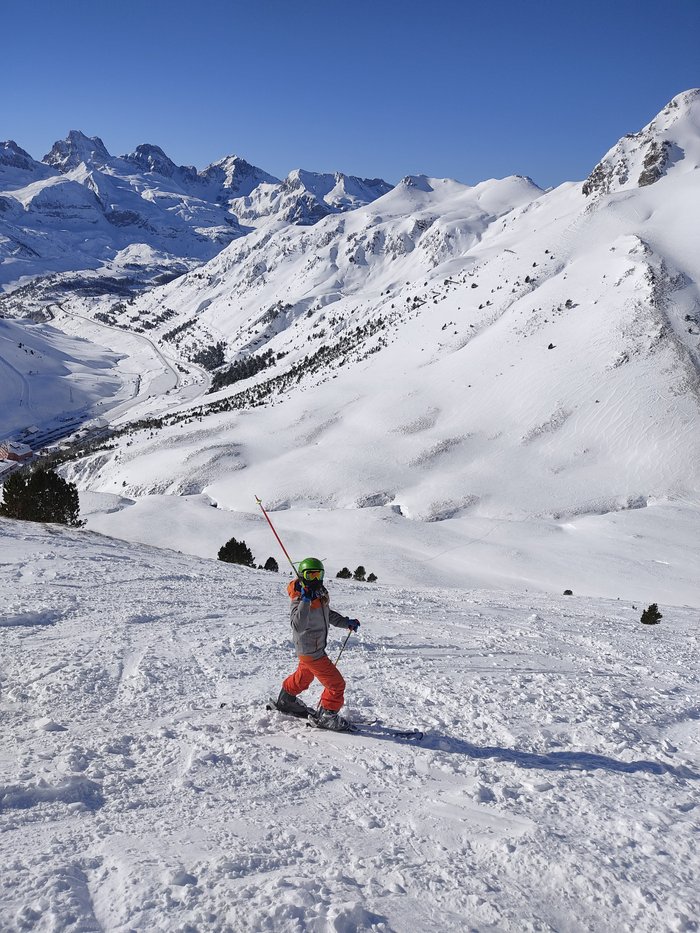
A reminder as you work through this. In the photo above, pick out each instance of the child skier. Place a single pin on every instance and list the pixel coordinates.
(310, 615)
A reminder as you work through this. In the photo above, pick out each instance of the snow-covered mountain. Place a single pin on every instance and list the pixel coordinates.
(143, 785)
(498, 374)
(111, 225)
(493, 381)
(669, 144)
(77, 149)
(306, 197)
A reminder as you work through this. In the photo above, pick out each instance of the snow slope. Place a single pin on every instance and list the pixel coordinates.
(452, 365)
(47, 376)
(556, 787)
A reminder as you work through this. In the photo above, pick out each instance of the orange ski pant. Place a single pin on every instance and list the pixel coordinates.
(324, 670)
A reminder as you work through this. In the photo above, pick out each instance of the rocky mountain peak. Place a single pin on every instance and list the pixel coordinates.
(151, 158)
(333, 192)
(77, 148)
(416, 181)
(14, 155)
(236, 177)
(642, 158)
(681, 103)
(18, 168)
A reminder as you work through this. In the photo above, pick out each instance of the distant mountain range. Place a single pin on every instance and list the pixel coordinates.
(81, 209)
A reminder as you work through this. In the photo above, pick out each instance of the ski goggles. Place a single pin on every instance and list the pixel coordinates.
(313, 575)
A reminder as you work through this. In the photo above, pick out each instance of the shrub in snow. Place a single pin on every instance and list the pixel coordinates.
(236, 552)
(344, 574)
(272, 565)
(651, 615)
(372, 578)
(42, 496)
(568, 592)
(359, 573)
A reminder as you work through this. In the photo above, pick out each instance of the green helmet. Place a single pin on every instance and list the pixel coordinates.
(310, 565)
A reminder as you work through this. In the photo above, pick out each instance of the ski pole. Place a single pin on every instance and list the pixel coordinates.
(342, 647)
(262, 509)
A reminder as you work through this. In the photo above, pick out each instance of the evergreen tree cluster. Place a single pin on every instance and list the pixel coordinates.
(358, 574)
(41, 496)
(176, 331)
(242, 369)
(330, 356)
(238, 552)
(325, 356)
(161, 318)
(211, 357)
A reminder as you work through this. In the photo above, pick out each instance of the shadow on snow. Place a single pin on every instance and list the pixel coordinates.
(554, 761)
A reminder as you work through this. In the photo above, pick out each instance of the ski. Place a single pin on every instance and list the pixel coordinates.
(414, 735)
(370, 728)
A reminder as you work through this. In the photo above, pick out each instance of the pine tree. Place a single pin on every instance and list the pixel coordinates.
(15, 503)
(651, 615)
(372, 578)
(42, 496)
(359, 573)
(344, 574)
(236, 552)
(272, 565)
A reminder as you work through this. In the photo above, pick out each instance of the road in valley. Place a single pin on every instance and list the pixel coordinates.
(156, 384)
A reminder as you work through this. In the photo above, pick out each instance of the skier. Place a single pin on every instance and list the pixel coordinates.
(310, 615)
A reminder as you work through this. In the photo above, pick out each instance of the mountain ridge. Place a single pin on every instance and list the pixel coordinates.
(185, 215)
(642, 158)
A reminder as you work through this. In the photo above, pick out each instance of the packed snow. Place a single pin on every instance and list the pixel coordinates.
(143, 784)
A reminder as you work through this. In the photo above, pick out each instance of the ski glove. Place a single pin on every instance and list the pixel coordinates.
(309, 593)
(353, 624)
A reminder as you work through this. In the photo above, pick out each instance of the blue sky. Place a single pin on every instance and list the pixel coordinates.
(469, 90)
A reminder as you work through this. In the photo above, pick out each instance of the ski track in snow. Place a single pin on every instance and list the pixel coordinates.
(556, 787)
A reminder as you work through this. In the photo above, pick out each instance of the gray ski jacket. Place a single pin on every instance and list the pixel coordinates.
(310, 622)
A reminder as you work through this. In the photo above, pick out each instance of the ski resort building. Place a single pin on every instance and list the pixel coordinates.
(14, 450)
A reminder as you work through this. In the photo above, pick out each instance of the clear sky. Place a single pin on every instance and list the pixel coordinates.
(469, 90)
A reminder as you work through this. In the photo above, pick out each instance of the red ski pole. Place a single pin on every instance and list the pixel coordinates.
(262, 509)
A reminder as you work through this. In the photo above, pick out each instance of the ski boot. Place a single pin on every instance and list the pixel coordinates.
(331, 719)
(291, 705)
